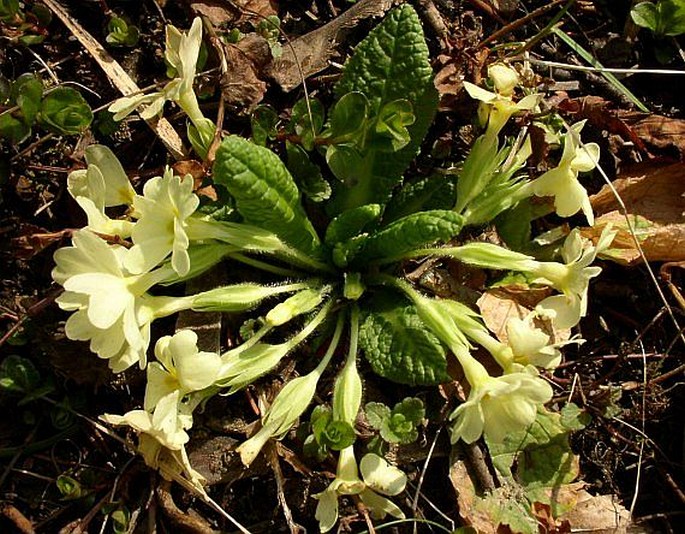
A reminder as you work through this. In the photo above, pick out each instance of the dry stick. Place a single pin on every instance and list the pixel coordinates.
(216, 43)
(280, 489)
(118, 76)
(519, 22)
(643, 410)
(544, 32)
(415, 502)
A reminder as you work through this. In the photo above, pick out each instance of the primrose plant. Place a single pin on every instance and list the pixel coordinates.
(328, 272)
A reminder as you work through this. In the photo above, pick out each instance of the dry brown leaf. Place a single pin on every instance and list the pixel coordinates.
(241, 86)
(499, 305)
(314, 50)
(235, 13)
(654, 196)
(598, 112)
(657, 131)
(600, 514)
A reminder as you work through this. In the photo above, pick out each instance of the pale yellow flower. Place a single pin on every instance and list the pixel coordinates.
(180, 366)
(111, 306)
(562, 183)
(379, 479)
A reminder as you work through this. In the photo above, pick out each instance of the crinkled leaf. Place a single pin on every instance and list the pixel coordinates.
(432, 192)
(345, 251)
(411, 408)
(398, 345)
(392, 122)
(18, 375)
(412, 232)
(307, 174)
(265, 192)
(352, 223)
(336, 435)
(391, 63)
(65, 111)
(376, 413)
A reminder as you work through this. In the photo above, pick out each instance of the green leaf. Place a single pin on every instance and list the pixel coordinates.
(348, 232)
(398, 345)
(644, 14)
(307, 174)
(349, 116)
(8, 9)
(412, 232)
(573, 417)
(376, 413)
(671, 19)
(201, 136)
(263, 120)
(42, 14)
(539, 458)
(121, 519)
(351, 223)
(399, 424)
(121, 33)
(18, 375)
(28, 39)
(69, 488)
(335, 435)
(432, 192)
(27, 91)
(305, 124)
(13, 129)
(346, 163)
(65, 111)
(392, 121)
(265, 192)
(391, 63)
(411, 408)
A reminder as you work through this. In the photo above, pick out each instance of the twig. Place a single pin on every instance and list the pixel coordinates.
(280, 491)
(519, 22)
(415, 502)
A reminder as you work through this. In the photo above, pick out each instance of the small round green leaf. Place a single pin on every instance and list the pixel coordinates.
(65, 111)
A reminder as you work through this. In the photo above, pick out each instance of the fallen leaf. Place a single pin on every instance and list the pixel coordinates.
(598, 112)
(657, 131)
(311, 53)
(235, 13)
(241, 85)
(499, 305)
(600, 514)
(654, 196)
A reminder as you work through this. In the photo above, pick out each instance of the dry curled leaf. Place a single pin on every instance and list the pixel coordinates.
(654, 196)
(599, 514)
(241, 85)
(223, 13)
(499, 305)
(657, 131)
